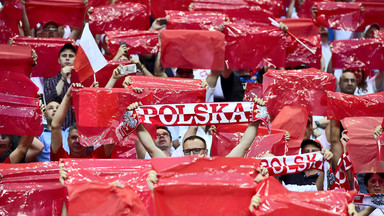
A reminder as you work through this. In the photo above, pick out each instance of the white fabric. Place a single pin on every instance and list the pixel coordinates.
(209, 95)
(67, 31)
(327, 54)
(342, 35)
(323, 141)
(300, 188)
(201, 73)
(371, 87)
(218, 89)
(39, 82)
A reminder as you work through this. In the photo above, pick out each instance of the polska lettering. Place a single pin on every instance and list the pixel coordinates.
(292, 164)
(202, 113)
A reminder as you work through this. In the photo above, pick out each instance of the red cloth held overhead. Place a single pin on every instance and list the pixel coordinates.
(361, 146)
(297, 54)
(253, 90)
(305, 10)
(373, 13)
(345, 16)
(47, 50)
(119, 17)
(101, 112)
(277, 200)
(64, 12)
(11, 14)
(158, 7)
(358, 54)
(303, 27)
(305, 87)
(193, 49)
(294, 120)
(138, 42)
(17, 59)
(254, 47)
(344, 105)
(22, 114)
(276, 7)
(194, 20)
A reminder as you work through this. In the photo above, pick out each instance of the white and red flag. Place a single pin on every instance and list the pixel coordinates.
(89, 59)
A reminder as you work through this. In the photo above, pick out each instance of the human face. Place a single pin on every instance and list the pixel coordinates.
(369, 33)
(348, 83)
(75, 148)
(50, 110)
(5, 144)
(194, 148)
(310, 148)
(50, 31)
(67, 58)
(359, 76)
(163, 139)
(375, 184)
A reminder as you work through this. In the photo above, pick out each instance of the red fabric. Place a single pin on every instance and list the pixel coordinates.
(169, 90)
(61, 153)
(33, 189)
(83, 67)
(345, 16)
(379, 34)
(358, 54)
(303, 27)
(22, 114)
(227, 137)
(64, 12)
(254, 47)
(292, 88)
(373, 13)
(380, 143)
(277, 200)
(130, 173)
(362, 147)
(193, 49)
(158, 7)
(305, 10)
(99, 198)
(138, 42)
(7, 160)
(193, 186)
(16, 59)
(194, 20)
(5, 32)
(104, 110)
(119, 17)
(103, 75)
(294, 120)
(343, 105)
(297, 54)
(47, 50)
(276, 7)
(253, 90)
(11, 14)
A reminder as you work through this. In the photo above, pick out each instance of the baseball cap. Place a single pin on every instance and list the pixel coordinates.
(67, 46)
(310, 142)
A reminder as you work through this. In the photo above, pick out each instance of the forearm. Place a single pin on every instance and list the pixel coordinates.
(336, 147)
(290, 9)
(192, 131)
(320, 182)
(25, 21)
(147, 141)
(245, 142)
(59, 117)
(59, 86)
(35, 149)
(158, 69)
(17, 155)
(366, 211)
(111, 83)
(145, 71)
(379, 80)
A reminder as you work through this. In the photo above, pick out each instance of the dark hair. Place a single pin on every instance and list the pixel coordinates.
(67, 46)
(165, 128)
(196, 137)
(310, 142)
(73, 127)
(369, 175)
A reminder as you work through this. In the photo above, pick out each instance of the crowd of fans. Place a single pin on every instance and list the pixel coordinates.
(60, 138)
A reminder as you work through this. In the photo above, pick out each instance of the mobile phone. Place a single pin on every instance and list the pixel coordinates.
(163, 21)
(128, 69)
(123, 44)
(41, 98)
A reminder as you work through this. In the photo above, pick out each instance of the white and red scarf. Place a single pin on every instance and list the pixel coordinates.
(192, 114)
(374, 200)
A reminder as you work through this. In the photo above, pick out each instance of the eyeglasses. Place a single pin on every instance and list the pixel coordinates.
(194, 150)
(50, 29)
(165, 135)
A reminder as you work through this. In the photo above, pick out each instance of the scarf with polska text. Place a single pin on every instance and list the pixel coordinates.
(283, 165)
(192, 114)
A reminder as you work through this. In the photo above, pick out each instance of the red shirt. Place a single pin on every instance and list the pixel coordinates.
(8, 160)
(61, 153)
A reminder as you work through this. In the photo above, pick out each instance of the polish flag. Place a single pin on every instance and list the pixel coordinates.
(89, 59)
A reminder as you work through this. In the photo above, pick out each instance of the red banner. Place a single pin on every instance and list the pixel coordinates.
(137, 42)
(294, 120)
(276, 7)
(31, 189)
(277, 200)
(187, 180)
(378, 34)
(98, 112)
(47, 50)
(64, 12)
(119, 17)
(303, 27)
(345, 16)
(358, 54)
(292, 88)
(11, 14)
(17, 59)
(254, 47)
(90, 190)
(227, 137)
(373, 13)
(21, 114)
(158, 7)
(305, 10)
(297, 54)
(194, 20)
(193, 49)
(362, 147)
(344, 105)
(253, 90)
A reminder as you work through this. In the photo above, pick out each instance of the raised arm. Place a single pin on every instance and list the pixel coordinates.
(145, 138)
(336, 147)
(35, 149)
(21, 150)
(249, 135)
(116, 75)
